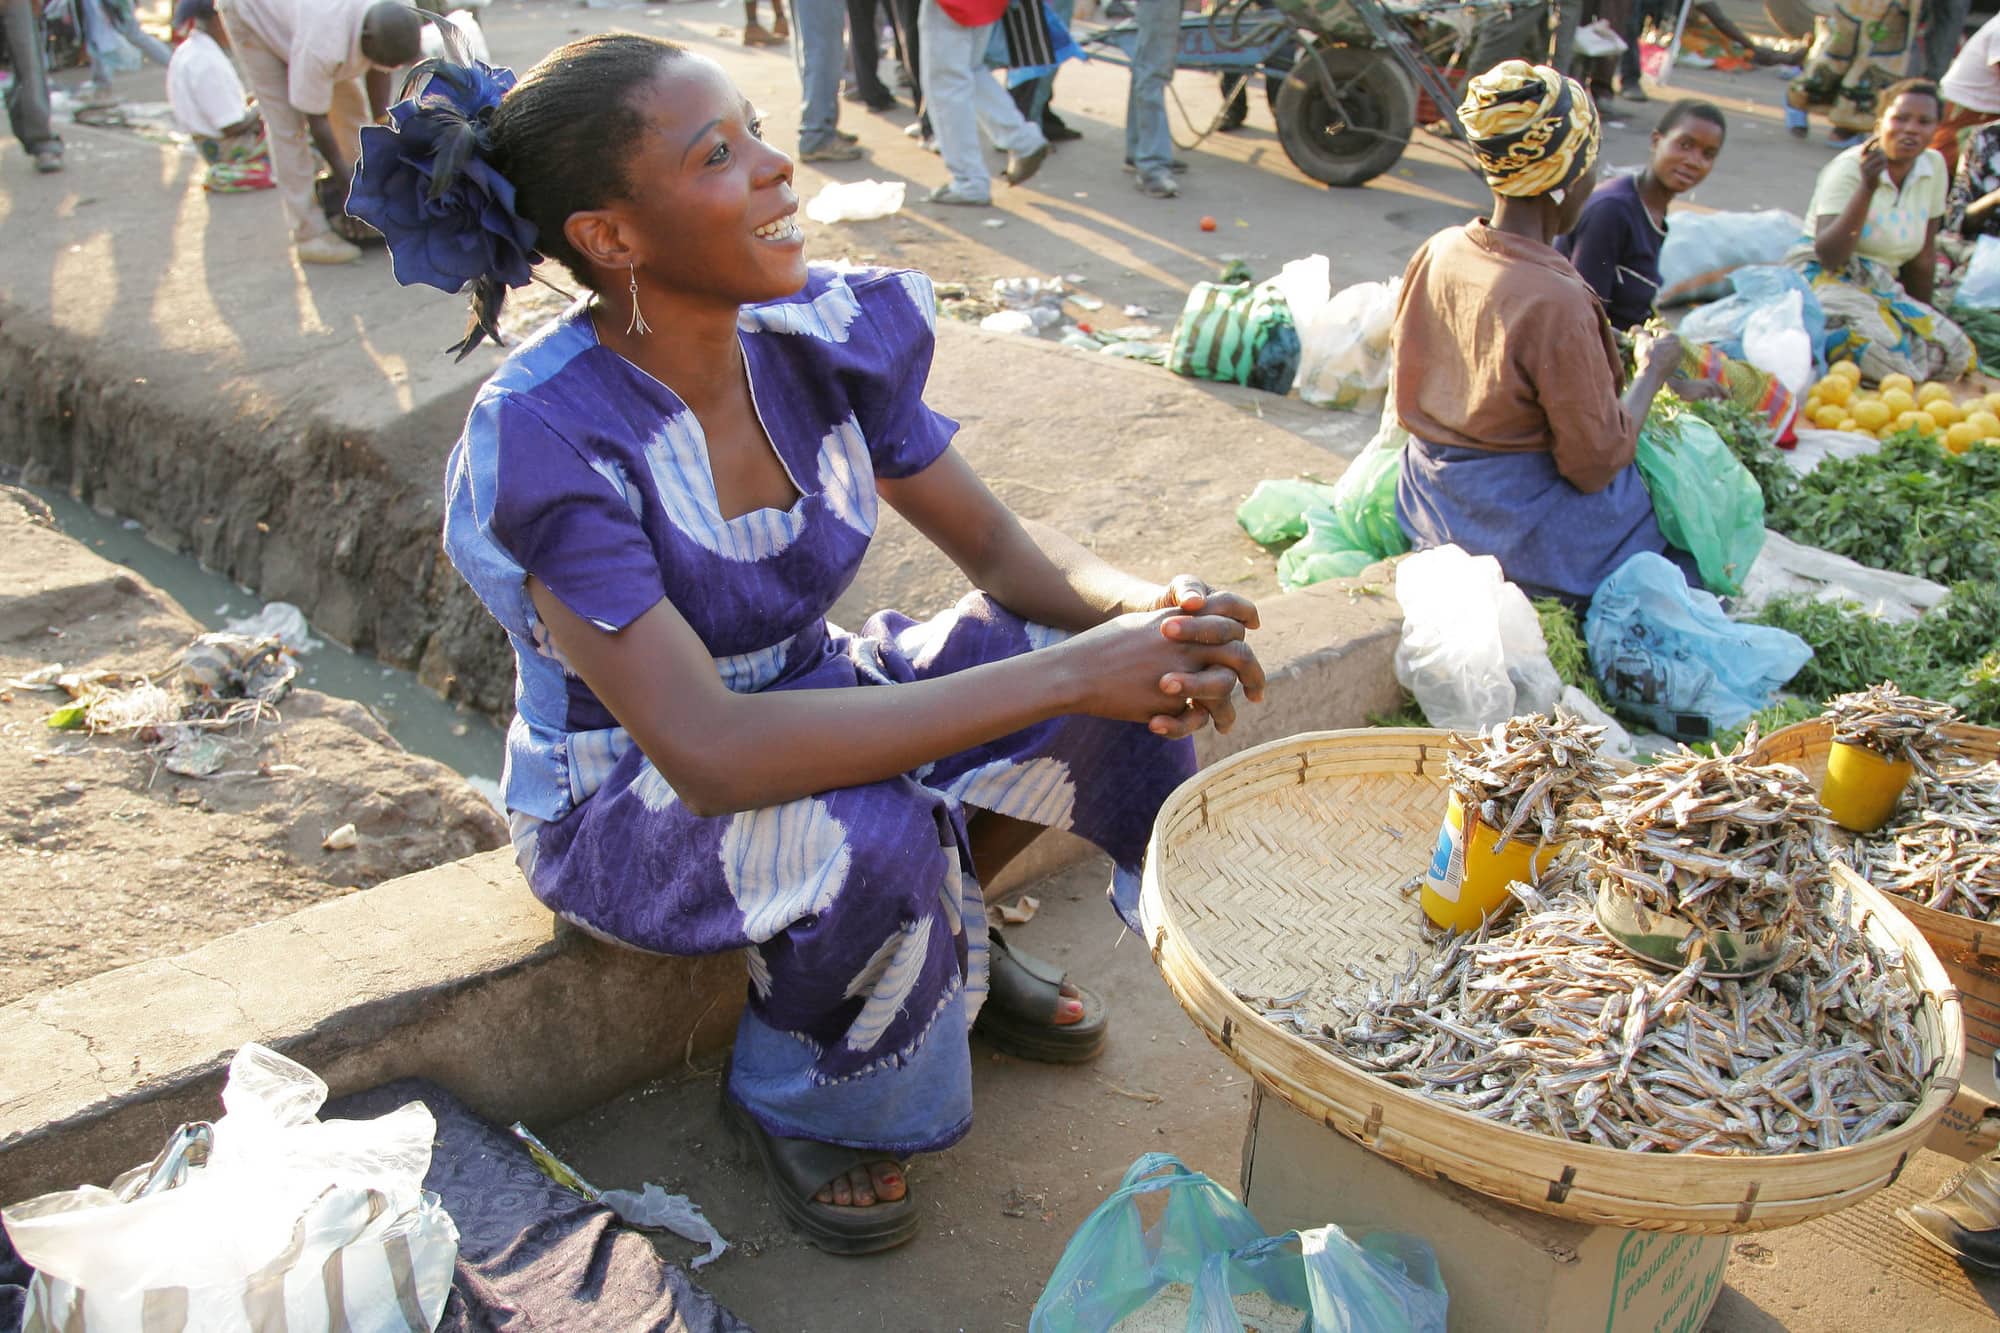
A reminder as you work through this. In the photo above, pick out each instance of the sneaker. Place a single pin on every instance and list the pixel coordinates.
(326, 249)
(48, 158)
(951, 194)
(1020, 166)
(1057, 130)
(1118, 9)
(846, 137)
(838, 150)
(1159, 184)
(1178, 164)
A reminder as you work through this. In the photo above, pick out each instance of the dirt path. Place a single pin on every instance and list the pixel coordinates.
(106, 858)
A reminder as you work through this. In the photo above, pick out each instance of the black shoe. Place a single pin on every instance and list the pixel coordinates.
(1118, 9)
(1056, 130)
(1964, 1219)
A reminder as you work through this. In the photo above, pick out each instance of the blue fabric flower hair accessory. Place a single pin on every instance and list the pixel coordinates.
(425, 183)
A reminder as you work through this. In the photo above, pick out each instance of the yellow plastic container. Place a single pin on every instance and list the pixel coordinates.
(1467, 880)
(1861, 787)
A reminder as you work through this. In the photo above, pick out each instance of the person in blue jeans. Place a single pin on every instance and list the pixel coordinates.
(819, 51)
(1149, 144)
(121, 18)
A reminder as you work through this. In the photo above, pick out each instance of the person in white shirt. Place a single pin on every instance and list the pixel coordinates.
(1971, 89)
(320, 70)
(209, 103)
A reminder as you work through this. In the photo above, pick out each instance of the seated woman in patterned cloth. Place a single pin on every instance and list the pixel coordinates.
(1507, 376)
(659, 496)
(1870, 251)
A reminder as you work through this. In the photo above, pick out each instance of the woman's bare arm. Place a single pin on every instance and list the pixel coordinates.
(1919, 276)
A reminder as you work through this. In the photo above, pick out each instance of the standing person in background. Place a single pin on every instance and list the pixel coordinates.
(209, 103)
(1149, 143)
(307, 61)
(1033, 97)
(28, 94)
(963, 100)
(910, 50)
(115, 17)
(819, 51)
(756, 34)
(1856, 52)
(1944, 26)
(864, 48)
(1971, 88)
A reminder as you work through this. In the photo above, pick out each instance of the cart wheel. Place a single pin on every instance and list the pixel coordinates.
(1356, 139)
(1794, 18)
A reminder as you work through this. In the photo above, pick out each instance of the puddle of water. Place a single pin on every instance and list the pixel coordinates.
(420, 721)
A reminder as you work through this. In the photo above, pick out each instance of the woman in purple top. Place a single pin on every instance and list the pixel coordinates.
(659, 496)
(1616, 243)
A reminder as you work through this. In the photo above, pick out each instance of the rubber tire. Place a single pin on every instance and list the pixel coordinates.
(1794, 18)
(1379, 95)
(1238, 109)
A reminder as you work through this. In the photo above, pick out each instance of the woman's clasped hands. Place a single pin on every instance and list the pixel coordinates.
(1173, 665)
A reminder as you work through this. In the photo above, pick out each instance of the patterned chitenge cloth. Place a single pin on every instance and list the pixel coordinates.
(865, 923)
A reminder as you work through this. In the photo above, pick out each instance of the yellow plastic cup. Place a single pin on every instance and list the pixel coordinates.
(1467, 880)
(1861, 787)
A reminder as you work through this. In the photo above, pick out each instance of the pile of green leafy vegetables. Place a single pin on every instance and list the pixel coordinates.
(1911, 507)
(1983, 328)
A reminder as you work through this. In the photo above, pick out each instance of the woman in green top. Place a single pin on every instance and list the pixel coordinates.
(1872, 252)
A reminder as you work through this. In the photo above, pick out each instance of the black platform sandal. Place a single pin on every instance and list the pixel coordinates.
(797, 1169)
(1019, 1016)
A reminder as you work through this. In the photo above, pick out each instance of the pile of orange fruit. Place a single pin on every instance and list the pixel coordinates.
(1838, 402)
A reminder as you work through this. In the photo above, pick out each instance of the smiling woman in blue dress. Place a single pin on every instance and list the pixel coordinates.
(659, 496)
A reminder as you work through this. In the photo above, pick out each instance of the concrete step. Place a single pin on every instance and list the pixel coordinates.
(459, 975)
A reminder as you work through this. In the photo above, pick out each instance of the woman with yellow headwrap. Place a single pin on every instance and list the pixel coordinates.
(1507, 377)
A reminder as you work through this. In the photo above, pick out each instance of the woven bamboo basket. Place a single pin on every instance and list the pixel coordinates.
(1969, 949)
(1284, 864)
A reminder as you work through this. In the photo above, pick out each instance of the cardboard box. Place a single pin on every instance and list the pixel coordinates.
(1506, 1269)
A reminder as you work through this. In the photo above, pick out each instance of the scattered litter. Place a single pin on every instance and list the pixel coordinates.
(995, 223)
(1150, 1098)
(1017, 913)
(1075, 279)
(1207, 223)
(1021, 293)
(341, 839)
(654, 1207)
(41, 678)
(1137, 312)
(857, 201)
(197, 756)
(278, 620)
(1086, 302)
(1010, 321)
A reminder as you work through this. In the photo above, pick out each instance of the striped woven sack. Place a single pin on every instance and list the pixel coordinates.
(1236, 333)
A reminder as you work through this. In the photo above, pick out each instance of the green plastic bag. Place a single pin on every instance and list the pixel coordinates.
(1706, 501)
(1328, 551)
(1276, 510)
(1237, 333)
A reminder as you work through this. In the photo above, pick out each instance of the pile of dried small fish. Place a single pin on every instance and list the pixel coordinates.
(1942, 847)
(1527, 770)
(1892, 724)
(1714, 840)
(1551, 1027)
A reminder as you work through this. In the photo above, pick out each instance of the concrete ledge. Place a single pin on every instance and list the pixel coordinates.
(459, 975)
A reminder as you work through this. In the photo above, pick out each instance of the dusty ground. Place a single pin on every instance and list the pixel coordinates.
(106, 858)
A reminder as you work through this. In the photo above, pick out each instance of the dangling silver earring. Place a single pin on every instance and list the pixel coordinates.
(638, 324)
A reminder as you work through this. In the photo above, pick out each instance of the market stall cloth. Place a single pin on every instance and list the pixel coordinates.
(531, 1254)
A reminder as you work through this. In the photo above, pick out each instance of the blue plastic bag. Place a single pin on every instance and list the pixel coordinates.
(1114, 1263)
(1703, 249)
(1385, 1283)
(1666, 653)
(1721, 324)
(1205, 1239)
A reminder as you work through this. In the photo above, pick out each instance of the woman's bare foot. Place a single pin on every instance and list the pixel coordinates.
(865, 1185)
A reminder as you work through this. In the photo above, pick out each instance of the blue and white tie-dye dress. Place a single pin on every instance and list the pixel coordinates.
(865, 927)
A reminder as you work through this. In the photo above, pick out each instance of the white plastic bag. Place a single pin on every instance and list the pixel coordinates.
(856, 201)
(1776, 342)
(1307, 285)
(1451, 656)
(1344, 350)
(1525, 653)
(292, 1224)
(1980, 287)
(1599, 39)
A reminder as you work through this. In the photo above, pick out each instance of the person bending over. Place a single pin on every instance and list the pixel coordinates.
(659, 495)
(209, 103)
(1507, 376)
